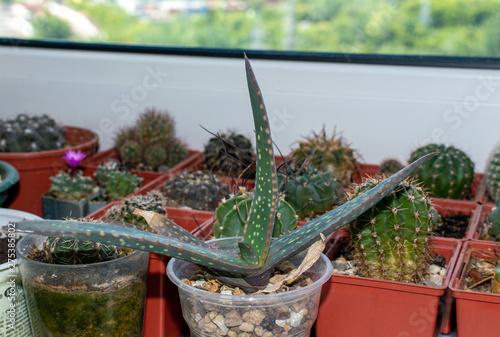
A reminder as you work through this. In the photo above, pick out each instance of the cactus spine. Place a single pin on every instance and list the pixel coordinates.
(449, 174)
(71, 186)
(391, 239)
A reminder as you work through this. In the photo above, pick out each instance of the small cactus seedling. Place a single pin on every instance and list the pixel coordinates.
(196, 190)
(328, 154)
(251, 266)
(492, 174)
(392, 239)
(31, 134)
(152, 144)
(494, 220)
(449, 174)
(389, 167)
(230, 154)
(71, 186)
(310, 191)
(232, 214)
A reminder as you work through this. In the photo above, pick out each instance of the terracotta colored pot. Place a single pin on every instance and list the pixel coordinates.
(35, 168)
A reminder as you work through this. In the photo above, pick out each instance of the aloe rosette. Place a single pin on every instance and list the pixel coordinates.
(250, 267)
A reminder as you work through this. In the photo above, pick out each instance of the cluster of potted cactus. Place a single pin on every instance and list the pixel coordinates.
(263, 273)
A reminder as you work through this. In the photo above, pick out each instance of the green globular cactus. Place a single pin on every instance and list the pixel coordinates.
(119, 184)
(153, 201)
(31, 134)
(390, 166)
(494, 220)
(197, 190)
(104, 170)
(326, 153)
(250, 267)
(309, 191)
(152, 144)
(492, 174)
(449, 174)
(71, 186)
(70, 251)
(392, 239)
(230, 154)
(232, 214)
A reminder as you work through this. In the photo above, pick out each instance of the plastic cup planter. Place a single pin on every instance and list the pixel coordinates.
(209, 314)
(99, 299)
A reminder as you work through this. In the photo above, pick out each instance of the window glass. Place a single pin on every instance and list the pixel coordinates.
(401, 27)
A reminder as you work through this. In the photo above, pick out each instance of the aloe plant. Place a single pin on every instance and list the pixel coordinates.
(250, 267)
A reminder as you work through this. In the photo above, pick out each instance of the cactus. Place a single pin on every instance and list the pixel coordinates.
(450, 174)
(232, 214)
(31, 134)
(495, 281)
(153, 201)
(492, 174)
(196, 190)
(310, 191)
(230, 154)
(250, 268)
(328, 154)
(120, 184)
(391, 239)
(70, 251)
(152, 144)
(390, 166)
(71, 186)
(104, 170)
(494, 220)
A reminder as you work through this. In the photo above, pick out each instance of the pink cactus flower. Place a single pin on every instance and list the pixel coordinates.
(73, 158)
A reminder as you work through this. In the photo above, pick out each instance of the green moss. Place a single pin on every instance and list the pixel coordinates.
(82, 313)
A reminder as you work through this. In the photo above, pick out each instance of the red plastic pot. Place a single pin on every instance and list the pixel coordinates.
(447, 207)
(90, 165)
(477, 230)
(35, 168)
(477, 313)
(358, 307)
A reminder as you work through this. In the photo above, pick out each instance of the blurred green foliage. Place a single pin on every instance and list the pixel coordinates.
(433, 27)
(48, 26)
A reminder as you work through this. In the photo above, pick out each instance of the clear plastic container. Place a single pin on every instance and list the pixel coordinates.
(98, 299)
(214, 314)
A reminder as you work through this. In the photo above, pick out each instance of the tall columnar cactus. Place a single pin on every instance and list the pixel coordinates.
(31, 134)
(230, 154)
(250, 268)
(71, 186)
(449, 174)
(391, 239)
(309, 191)
(493, 174)
(152, 201)
(151, 144)
(232, 214)
(197, 190)
(328, 154)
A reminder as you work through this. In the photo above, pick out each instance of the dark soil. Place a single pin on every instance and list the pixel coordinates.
(454, 226)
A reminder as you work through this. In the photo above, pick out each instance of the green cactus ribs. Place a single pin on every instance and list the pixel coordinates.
(492, 175)
(152, 144)
(449, 174)
(391, 239)
(71, 186)
(31, 134)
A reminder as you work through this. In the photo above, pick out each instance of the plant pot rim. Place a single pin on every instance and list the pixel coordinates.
(21, 255)
(57, 152)
(255, 299)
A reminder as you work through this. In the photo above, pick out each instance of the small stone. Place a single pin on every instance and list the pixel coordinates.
(238, 291)
(254, 316)
(219, 321)
(231, 333)
(247, 327)
(233, 318)
(277, 278)
(267, 334)
(280, 322)
(226, 292)
(295, 318)
(210, 327)
(485, 265)
(442, 272)
(197, 317)
(199, 283)
(433, 269)
(287, 327)
(437, 280)
(285, 267)
(259, 331)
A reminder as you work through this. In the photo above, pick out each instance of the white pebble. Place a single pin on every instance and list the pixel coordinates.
(433, 269)
(438, 280)
(295, 318)
(281, 322)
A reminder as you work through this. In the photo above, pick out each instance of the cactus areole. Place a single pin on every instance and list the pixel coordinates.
(251, 266)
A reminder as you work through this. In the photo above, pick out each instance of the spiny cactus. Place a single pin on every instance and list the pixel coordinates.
(151, 144)
(328, 154)
(71, 186)
(31, 134)
(309, 191)
(120, 184)
(390, 166)
(251, 267)
(153, 201)
(69, 251)
(494, 220)
(449, 174)
(492, 174)
(391, 239)
(232, 214)
(105, 169)
(230, 154)
(196, 190)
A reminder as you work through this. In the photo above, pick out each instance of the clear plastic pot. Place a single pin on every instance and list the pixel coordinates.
(214, 314)
(98, 299)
